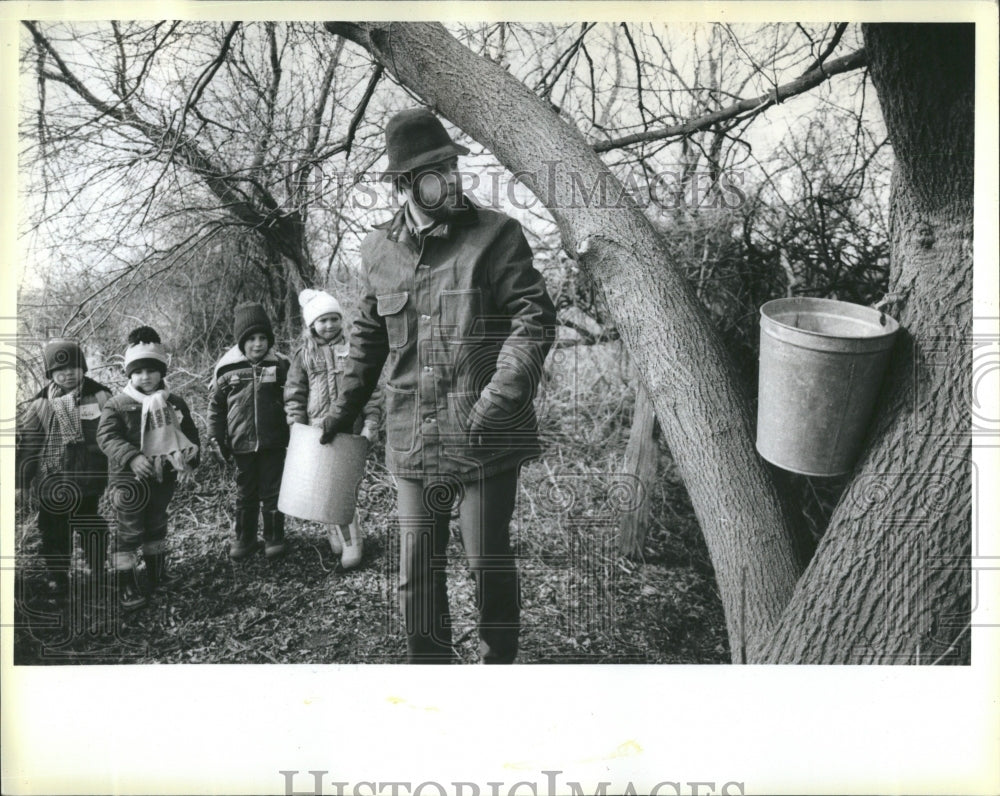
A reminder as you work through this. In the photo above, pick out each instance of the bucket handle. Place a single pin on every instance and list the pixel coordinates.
(885, 301)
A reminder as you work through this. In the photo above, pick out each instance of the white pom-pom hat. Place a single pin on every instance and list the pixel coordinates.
(316, 303)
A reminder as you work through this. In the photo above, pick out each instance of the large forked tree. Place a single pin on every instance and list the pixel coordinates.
(890, 580)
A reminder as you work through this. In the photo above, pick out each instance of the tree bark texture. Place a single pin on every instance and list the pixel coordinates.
(703, 412)
(640, 461)
(890, 581)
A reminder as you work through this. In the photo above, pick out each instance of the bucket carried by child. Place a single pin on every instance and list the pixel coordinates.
(320, 482)
(821, 365)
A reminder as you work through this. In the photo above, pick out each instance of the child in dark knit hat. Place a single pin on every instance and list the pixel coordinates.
(246, 419)
(314, 381)
(149, 438)
(57, 453)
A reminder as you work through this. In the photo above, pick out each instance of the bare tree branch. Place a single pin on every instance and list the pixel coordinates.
(837, 35)
(752, 107)
(352, 128)
(563, 61)
(281, 230)
(638, 76)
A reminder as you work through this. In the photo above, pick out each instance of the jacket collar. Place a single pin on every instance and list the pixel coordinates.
(89, 387)
(398, 229)
(339, 347)
(413, 227)
(234, 356)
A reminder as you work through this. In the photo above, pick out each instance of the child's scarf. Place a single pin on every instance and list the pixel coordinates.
(67, 430)
(160, 439)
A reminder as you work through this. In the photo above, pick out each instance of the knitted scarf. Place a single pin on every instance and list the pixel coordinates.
(65, 431)
(160, 438)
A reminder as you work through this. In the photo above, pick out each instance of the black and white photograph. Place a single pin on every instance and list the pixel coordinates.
(657, 348)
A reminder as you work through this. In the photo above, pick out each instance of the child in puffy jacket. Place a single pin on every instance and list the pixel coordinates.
(246, 419)
(314, 384)
(148, 435)
(57, 452)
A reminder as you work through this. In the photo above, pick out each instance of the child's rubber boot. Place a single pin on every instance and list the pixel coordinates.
(96, 552)
(353, 547)
(245, 543)
(160, 574)
(132, 586)
(274, 534)
(333, 537)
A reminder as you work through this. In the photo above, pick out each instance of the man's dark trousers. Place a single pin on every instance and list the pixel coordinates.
(485, 511)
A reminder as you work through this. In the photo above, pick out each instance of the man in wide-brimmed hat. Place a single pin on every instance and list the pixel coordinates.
(454, 305)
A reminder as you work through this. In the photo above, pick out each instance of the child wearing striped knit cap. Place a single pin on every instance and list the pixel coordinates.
(147, 433)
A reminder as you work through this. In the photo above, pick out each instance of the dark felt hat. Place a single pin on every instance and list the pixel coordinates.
(415, 138)
(62, 353)
(251, 318)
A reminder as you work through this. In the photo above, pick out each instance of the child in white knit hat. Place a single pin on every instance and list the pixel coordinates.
(314, 384)
(148, 435)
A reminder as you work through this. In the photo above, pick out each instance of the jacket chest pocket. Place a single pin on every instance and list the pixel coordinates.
(391, 307)
(239, 381)
(90, 410)
(336, 374)
(461, 313)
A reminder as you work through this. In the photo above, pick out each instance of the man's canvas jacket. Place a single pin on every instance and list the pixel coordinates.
(462, 322)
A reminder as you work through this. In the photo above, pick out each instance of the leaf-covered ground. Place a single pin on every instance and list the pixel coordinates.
(582, 602)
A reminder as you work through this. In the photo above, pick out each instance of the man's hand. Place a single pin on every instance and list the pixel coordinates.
(333, 425)
(368, 431)
(485, 420)
(142, 466)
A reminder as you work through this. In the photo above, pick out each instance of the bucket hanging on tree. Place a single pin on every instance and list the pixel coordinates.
(821, 366)
(320, 482)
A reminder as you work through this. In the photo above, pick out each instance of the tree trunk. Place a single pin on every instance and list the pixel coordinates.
(702, 409)
(890, 581)
(640, 462)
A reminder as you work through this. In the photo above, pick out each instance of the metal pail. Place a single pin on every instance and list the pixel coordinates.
(320, 482)
(821, 365)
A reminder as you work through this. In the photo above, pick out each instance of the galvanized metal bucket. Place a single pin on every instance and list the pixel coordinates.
(320, 482)
(821, 365)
